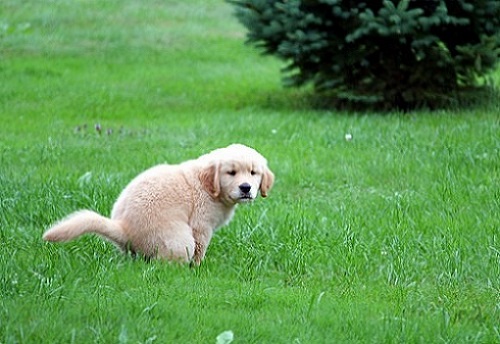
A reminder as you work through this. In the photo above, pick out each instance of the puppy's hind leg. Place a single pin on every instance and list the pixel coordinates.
(177, 245)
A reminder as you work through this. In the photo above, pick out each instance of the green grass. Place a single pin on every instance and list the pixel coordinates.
(391, 237)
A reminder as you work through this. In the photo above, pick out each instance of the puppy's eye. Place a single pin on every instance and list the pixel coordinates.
(252, 172)
(232, 173)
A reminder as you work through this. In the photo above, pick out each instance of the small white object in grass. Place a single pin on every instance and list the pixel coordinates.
(274, 131)
(85, 178)
(225, 337)
(348, 137)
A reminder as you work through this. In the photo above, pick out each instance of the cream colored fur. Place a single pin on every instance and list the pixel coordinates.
(171, 211)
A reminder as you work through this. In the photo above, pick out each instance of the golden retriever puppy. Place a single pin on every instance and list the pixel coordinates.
(172, 211)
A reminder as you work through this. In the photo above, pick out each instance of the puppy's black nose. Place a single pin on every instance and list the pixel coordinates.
(245, 187)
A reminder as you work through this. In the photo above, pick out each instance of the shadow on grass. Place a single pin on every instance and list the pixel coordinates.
(485, 98)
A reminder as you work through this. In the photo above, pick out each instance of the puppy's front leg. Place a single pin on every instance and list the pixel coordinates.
(201, 239)
(199, 254)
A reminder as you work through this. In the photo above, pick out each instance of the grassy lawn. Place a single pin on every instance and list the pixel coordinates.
(391, 237)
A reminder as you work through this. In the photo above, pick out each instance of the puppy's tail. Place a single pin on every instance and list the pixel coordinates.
(86, 221)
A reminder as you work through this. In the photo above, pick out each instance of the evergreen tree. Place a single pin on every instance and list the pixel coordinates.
(401, 53)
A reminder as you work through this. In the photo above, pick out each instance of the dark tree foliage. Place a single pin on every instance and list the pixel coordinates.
(399, 53)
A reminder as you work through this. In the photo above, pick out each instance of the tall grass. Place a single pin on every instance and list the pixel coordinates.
(389, 237)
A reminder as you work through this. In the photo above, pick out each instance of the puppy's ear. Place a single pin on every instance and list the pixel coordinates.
(209, 177)
(267, 182)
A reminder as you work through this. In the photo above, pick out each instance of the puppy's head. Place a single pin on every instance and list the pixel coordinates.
(235, 174)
